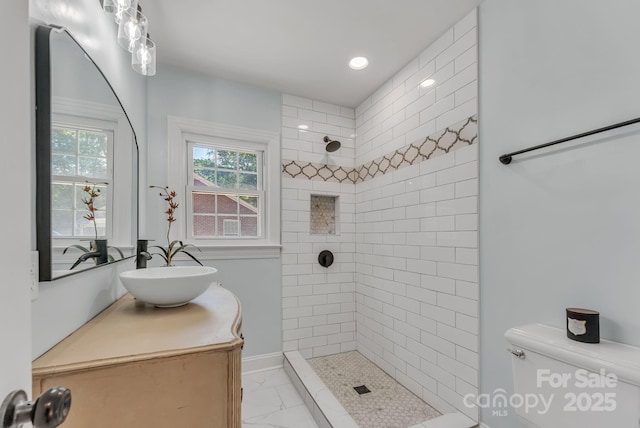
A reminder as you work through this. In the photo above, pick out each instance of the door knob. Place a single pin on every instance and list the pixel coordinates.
(47, 411)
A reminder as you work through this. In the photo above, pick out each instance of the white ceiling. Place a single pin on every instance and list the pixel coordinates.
(300, 47)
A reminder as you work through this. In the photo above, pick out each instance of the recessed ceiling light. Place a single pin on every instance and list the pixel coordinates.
(428, 82)
(358, 63)
(303, 127)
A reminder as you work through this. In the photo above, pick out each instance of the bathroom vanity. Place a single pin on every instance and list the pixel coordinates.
(135, 365)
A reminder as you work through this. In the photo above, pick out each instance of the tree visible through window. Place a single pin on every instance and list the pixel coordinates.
(226, 192)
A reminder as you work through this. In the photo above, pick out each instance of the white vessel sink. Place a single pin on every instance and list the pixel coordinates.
(168, 287)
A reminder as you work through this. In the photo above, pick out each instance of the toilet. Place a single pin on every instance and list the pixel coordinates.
(558, 382)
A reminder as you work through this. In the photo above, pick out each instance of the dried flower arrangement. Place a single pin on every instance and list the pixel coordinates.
(176, 246)
(92, 192)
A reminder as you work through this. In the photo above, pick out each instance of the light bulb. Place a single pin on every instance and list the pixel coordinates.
(428, 82)
(358, 63)
(132, 27)
(143, 58)
(132, 30)
(143, 55)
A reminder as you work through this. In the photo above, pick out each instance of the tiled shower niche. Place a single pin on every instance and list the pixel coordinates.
(323, 215)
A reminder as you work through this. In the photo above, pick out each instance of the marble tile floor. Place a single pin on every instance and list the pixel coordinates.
(387, 405)
(271, 401)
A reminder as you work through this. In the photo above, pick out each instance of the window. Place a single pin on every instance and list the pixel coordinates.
(92, 142)
(81, 152)
(228, 180)
(225, 191)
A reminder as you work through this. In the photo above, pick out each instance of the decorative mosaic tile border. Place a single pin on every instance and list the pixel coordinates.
(462, 134)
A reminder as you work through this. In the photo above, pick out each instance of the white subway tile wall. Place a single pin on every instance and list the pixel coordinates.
(402, 112)
(318, 302)
(306, 122)
(405, 276)
(417, 228)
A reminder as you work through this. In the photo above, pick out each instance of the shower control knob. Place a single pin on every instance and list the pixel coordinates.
(48, 411)
(325, 258)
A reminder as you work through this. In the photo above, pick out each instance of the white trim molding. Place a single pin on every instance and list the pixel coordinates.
(262, 362)
(234, 252)
(178, 128)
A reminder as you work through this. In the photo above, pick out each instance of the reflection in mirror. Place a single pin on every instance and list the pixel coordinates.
(87, 162)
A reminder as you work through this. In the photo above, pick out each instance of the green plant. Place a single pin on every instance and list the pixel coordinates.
(176, 246)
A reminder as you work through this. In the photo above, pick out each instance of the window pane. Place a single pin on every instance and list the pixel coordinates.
(61, 223)
(230, 227)
(248, 181)
(248, 162)
(249, 226)
(203, 157)
(84, 227)
(204, 177)
(92, 167)
(63, 165)
(228, 220)
(227, 204)
(62, 196)
(204, 203)
(92, 143)
(63, 140)
(218, 214)
(248, 205)
(227, 159)
(227, 179)
(204, 225)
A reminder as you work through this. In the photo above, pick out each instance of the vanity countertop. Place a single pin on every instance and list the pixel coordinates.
(130, 331)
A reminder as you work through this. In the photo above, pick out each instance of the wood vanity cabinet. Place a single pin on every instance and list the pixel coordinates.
(137, 366)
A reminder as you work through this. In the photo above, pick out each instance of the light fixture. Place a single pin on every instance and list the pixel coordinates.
(358, 63)
(427, 82)
(303, 127)
(132, 27)
(143, 57)
(133, 34)
(118, 7)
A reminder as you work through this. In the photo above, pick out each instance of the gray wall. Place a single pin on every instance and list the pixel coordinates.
(559, 228)
(72, 302)
(176, 92)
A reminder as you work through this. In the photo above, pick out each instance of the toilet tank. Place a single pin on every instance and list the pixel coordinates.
(559, 382)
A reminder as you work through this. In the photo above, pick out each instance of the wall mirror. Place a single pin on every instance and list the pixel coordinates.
(86, 162)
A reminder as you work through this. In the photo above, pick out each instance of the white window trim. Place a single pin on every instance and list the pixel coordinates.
(122, 179)
(178, 129)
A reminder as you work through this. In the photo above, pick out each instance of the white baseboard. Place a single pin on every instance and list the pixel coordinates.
(259, 363)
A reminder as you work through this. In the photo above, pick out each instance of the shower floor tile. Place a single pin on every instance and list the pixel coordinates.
(388, 405)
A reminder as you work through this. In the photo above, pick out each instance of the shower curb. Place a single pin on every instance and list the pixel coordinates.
(323, 405)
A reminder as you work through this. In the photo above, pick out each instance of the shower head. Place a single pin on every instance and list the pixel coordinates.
(332, 145)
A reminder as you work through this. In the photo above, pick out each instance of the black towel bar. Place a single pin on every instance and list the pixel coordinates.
(507, 158)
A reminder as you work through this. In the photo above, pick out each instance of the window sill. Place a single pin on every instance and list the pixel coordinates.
(234, 252)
